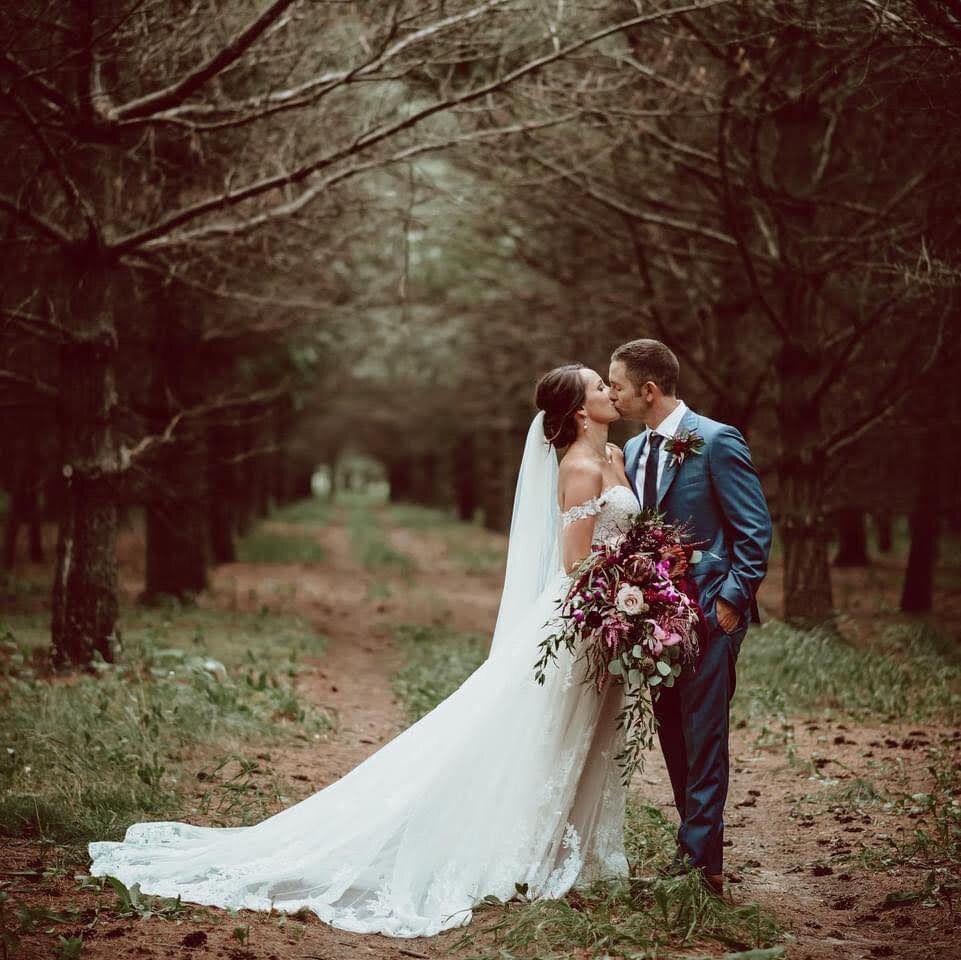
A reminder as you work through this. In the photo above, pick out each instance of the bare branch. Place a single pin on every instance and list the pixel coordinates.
(31, 383)
(881, 409)
(642, 216)
(55, 163)
(35, 325)
(129, 454)
(747, 257)
(36, 223)
(376, 135)
(307, 196)
(178, 92)
(23, 74)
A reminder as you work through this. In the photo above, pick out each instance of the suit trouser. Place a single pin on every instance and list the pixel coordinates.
(693, 718)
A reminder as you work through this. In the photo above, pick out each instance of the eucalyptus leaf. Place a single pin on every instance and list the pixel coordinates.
(664, 669)
(615, 667)
(654, 679)
(634, 677)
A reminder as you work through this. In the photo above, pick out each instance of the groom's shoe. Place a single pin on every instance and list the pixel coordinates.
(715, 884)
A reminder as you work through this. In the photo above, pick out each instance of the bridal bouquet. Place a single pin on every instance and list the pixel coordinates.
(632, 615)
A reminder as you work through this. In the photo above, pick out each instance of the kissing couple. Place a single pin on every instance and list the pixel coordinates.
(509, 781)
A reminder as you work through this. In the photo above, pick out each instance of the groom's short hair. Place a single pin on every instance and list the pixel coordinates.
(649, 360)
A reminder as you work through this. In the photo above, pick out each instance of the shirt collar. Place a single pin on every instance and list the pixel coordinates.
(668, 426)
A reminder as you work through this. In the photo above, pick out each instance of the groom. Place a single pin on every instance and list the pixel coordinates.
(697, 471)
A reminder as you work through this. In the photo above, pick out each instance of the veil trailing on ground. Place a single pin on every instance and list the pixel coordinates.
(533, 551)
(507, 781)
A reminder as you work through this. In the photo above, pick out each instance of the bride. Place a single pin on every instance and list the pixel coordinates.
(506, 782)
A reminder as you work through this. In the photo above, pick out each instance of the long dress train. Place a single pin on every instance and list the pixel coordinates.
(505, 782)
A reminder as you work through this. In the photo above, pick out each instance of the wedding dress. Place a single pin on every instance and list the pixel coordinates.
(506, 782)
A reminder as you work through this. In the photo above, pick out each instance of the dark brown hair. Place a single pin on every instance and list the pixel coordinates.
(649, 360)
(560, 394)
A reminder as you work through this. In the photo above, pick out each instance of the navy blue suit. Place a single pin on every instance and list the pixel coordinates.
(717, 492)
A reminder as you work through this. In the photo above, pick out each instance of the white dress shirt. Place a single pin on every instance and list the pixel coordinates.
(666, 428)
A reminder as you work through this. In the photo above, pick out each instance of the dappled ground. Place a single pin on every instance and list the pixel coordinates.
(843, 821)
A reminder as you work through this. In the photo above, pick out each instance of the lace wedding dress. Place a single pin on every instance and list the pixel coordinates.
(504, 782)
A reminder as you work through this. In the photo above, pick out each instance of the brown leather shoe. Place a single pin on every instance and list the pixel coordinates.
(715, 883)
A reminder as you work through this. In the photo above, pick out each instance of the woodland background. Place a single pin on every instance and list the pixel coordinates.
(256, 253)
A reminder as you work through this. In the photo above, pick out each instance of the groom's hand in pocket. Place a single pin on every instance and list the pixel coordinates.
(728, 619)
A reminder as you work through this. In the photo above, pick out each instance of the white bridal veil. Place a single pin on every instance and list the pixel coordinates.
(533, 554)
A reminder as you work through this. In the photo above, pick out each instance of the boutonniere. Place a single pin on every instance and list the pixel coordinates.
(683, 443)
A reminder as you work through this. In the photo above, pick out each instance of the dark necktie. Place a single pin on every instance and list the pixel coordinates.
(650, 471)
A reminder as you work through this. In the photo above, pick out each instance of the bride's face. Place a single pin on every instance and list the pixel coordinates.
(597, 398)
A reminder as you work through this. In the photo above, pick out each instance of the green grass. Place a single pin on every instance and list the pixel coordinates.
(641, 916)
(467, 544)
(84, 756)
(370, 545)
(267, 546)
(438, 661)
(905, 674)
(309, 513)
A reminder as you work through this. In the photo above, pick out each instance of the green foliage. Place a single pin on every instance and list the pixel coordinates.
(82, 758)
(902, 674)
(308, 513)
(934, 843)
(438, 661)
(268, 546)
(69, 948)
(370, 545)
(475, 550)
(132, 903)
(639, 916)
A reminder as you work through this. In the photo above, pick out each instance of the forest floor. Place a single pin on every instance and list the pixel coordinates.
(843, 822)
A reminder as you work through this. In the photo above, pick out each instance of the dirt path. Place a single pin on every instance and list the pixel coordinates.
(786, 836)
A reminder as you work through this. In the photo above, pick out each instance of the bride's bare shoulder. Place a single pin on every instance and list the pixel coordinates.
(581, 478)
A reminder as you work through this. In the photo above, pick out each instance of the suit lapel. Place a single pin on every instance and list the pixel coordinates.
(631, 465)
(688, 422)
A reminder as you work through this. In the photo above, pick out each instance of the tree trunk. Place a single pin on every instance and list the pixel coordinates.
(917, 595)
(425, 480)
(884, 523)
(222, 495)
(498, 473)
(464, 472)
(400, 477)
(804, 531)
(24, 509)
(852, 538)
(84, 602)
(176, 520)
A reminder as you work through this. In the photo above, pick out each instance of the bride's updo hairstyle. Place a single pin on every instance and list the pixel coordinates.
(560, 394)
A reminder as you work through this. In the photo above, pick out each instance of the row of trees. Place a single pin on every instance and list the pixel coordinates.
(243, 238)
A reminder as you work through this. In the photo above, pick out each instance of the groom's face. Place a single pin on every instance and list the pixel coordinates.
(630, 403)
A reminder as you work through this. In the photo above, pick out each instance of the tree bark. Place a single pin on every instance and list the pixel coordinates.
(222, 495)
(84, 602)
(400, 477)
(24, 508)
(917, 595)
(884, 523)
(464, 473)
(852, 538)
(801, 474)
(176, 520)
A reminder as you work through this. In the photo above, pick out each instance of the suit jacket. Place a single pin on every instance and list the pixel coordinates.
(718, 494)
